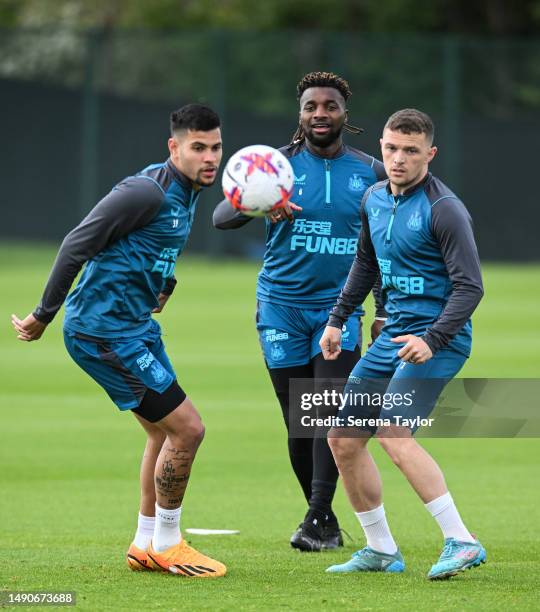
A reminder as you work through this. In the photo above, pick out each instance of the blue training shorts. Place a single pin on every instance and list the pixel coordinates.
(290, 336)
(125, 368)
(409, 391)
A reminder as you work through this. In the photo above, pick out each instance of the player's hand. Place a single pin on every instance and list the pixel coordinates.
(415, 350)
(28, 329)
(283, 213)
(376, 328)
(162, 299)
(330, 343)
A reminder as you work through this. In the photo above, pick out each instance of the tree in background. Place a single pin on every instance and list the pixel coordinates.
(456, 16)
(464, 55)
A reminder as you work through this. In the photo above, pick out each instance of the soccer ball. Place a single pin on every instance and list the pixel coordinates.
(258, 179)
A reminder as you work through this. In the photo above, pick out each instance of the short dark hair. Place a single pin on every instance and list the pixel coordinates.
(323, 79)
(411, 120)
(194, 117)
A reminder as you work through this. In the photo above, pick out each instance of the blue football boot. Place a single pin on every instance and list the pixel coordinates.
(369, 560)
(456, 557)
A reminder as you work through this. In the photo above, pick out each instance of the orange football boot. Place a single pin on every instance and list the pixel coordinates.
(185, 561)
(137, 559)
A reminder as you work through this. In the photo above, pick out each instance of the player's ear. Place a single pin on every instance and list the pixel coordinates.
(432, 153)
(174, 145)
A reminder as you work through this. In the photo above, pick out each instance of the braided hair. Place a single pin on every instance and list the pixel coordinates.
(323, 79)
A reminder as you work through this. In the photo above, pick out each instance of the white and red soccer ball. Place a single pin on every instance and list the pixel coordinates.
(258, 179)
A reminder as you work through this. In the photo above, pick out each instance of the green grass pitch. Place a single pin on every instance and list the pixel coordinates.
(69, 465)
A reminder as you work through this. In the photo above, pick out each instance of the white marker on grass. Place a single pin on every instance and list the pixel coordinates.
(195, 531)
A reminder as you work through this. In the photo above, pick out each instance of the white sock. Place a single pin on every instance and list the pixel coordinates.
(145, 531)
(377, 531)
(167, 529)
(444, 511)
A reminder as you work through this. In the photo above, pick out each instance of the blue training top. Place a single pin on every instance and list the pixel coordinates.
(130, 241)
(306, 263)
(422, 243)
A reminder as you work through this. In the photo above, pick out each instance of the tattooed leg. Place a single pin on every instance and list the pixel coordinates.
(172, 474)
(185, 432)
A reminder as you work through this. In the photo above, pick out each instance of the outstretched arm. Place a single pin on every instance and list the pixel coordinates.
(129, 206)
(225, 217)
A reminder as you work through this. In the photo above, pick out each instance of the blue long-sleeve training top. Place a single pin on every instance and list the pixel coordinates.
(422, 243)
(130, 242)
(306, 263)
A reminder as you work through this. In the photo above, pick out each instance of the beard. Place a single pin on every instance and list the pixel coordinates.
(204, 182)
(323, 140)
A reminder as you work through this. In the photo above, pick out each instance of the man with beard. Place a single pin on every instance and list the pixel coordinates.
(305, 263)
(130, 242)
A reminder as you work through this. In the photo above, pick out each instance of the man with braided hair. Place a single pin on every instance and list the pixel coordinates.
(305, 264)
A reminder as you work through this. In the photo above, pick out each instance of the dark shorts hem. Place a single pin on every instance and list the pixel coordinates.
(156, 406)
